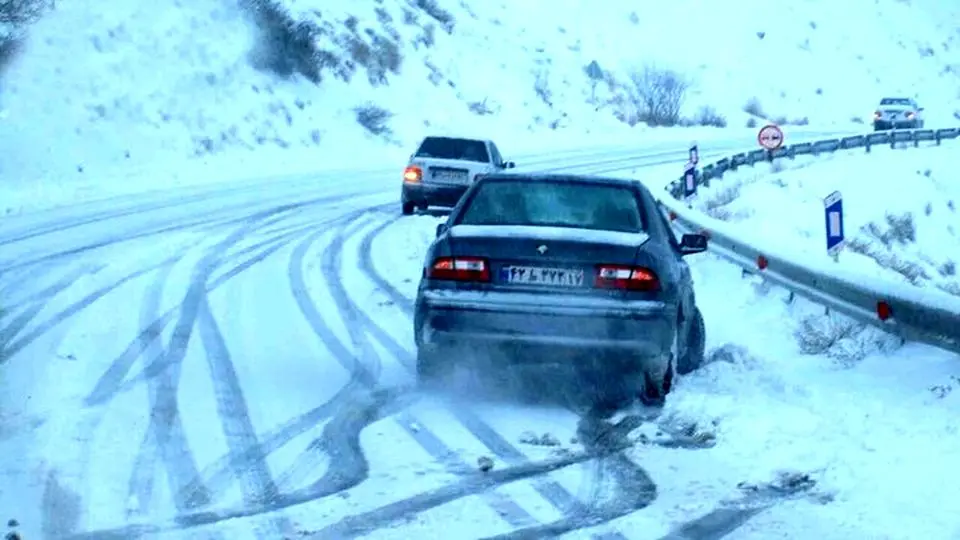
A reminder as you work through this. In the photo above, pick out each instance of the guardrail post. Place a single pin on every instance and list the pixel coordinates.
(916, 140)
(936, 136)
(893, 140)
(866, 143)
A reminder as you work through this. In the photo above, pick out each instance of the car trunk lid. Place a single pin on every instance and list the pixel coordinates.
(558, 259)
(448, 171)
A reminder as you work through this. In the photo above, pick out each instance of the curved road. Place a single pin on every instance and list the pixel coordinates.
(236, 363)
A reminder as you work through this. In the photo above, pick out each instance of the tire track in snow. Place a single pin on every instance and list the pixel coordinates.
(48, 292)
(112, 382)
(12, 348)
(217, 475)
(475, 484)
(257, 486)
(165, 440)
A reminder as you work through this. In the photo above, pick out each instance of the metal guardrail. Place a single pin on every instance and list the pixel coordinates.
(913, 313)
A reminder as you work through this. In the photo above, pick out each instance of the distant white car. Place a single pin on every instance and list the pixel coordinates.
(442, 169)
(897, 113)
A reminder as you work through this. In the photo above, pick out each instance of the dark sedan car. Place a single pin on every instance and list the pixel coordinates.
(552, 269)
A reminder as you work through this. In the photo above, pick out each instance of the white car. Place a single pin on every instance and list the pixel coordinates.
(442, 169)
(897, 113)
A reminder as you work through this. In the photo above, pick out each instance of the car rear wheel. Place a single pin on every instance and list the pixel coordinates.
(432, 364)
(408, 208)
(692, 357)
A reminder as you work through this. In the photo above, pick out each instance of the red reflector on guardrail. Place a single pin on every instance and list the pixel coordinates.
(884, 311)
(762, 262)
(673, 216)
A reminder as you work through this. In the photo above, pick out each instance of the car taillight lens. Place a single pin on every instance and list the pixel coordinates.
(412, 174)
(459, 269)
(632, 278)
(877, 114)
(910, 115)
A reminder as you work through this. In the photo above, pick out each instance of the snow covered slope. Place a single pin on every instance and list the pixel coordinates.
(901, 213)
(116, 98)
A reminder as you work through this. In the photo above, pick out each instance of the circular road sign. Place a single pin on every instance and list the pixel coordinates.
(770, 137)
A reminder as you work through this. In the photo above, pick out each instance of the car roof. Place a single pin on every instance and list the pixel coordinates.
(456, 138)
(559, 177)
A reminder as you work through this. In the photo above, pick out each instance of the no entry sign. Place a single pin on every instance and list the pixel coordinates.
(770, 137)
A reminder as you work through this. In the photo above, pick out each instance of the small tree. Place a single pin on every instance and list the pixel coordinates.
(15, 16)
(19, 13)
(659, 94)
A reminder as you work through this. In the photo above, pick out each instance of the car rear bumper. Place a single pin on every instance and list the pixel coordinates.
(432, 194)
(635, 329)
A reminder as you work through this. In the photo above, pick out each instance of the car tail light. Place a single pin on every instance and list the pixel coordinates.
(910, 115)
(459, 269)
(633, 278)
(412, 174)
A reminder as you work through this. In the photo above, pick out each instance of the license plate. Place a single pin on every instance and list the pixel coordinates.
(534, 275)
(450, 176)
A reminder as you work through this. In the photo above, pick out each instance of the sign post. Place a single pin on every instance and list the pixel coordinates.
(770, 137)
(833, 215)
(689, 179)
(690, 171)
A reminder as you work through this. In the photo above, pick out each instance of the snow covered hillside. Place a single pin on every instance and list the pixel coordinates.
(901, 210)
(116, 99)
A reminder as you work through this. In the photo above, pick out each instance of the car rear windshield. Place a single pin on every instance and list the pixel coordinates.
(895, 101)
(554, 204)
(460, 149)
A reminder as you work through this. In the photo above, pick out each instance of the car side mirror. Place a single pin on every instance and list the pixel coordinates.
(441, 228)
(693, 243)
(509, 165)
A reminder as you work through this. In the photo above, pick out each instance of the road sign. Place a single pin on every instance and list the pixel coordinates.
(593, 71)
(770, 137)
(694, 154)
(689, 179)
(833, 215)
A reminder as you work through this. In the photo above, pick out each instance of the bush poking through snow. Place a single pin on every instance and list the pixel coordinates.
(913, 272)
(714, 206)
(541, 86)
(817, 334)
(754, 108)
(480, 108)
(374, 119)
(433, 9)
(658, 95)
(841, 339)
(708, 116)
(285, 46)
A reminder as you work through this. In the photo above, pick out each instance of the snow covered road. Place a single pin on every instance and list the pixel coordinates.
(241, 367)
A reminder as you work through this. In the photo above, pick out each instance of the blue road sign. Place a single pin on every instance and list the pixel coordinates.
(690, 179)
(833, 215)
